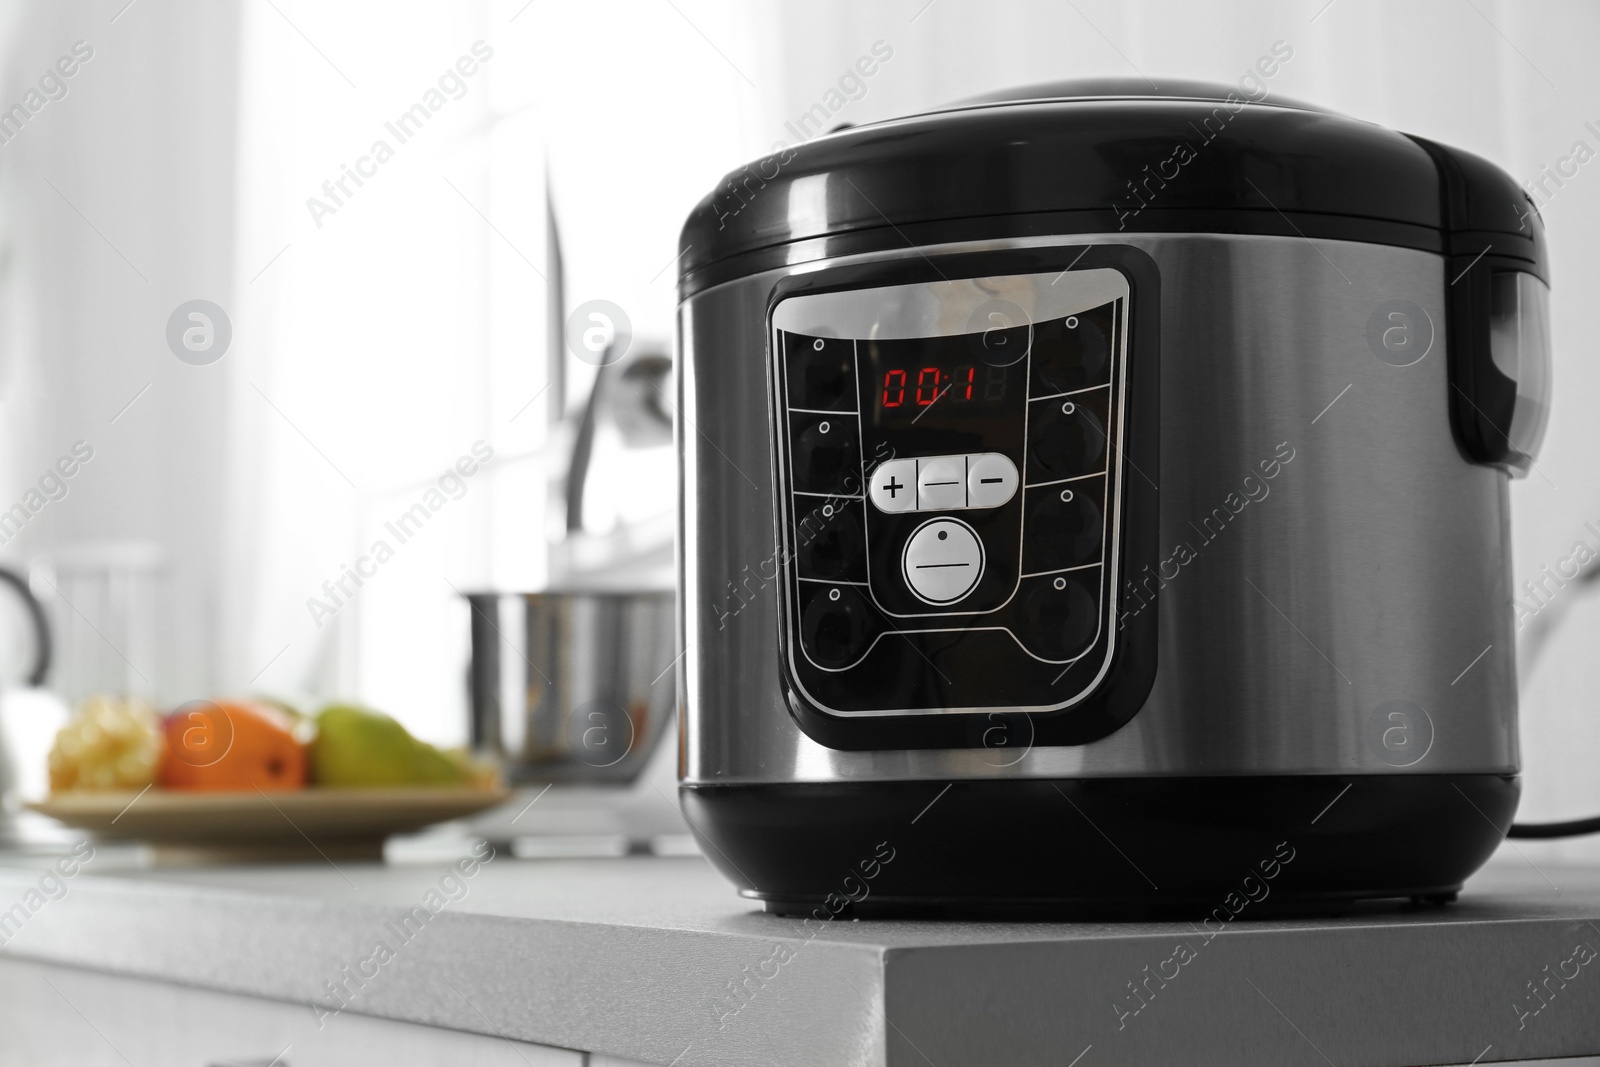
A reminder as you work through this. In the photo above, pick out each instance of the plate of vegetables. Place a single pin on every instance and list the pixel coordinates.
(239, 780)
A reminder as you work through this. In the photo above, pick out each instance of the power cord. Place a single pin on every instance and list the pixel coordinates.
(1531, 646)
(1571, 828)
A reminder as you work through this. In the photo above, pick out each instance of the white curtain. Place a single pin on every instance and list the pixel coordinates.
(397, 332)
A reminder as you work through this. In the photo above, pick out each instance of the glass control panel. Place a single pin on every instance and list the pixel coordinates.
(949, 465)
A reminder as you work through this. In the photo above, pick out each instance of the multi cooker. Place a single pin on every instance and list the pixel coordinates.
(1093, 497)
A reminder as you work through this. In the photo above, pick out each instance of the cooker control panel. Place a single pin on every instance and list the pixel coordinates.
(949, 497)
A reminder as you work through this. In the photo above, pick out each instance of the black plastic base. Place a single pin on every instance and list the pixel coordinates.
(1236, 847)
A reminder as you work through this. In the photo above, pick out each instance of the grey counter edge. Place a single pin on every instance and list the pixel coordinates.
(1435, 987)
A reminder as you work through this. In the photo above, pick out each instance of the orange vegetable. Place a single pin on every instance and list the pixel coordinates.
(231, 745)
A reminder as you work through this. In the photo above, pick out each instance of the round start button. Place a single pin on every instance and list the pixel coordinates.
(943, 561)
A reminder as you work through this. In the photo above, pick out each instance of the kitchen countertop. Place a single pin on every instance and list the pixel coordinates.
(658, 960)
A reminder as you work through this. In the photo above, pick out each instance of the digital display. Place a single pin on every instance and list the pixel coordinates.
(923, 383)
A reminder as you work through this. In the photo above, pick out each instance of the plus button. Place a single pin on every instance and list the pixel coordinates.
(894, 486)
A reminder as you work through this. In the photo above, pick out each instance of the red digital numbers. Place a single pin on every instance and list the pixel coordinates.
(899, 388)
(932, 384)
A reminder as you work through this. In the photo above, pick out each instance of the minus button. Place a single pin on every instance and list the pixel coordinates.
(991, 480)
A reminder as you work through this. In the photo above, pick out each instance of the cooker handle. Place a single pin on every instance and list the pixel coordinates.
(1497, 310)
(1499, 363)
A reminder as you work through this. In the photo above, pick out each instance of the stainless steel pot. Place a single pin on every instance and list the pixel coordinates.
(576, 685)
(572, 686)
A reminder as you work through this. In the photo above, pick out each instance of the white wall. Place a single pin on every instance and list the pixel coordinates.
(117, 205)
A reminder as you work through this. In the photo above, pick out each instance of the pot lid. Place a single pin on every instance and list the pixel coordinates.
(1105, 156)
(1121, 89)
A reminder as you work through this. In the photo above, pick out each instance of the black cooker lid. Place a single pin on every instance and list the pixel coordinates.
(1106, 156)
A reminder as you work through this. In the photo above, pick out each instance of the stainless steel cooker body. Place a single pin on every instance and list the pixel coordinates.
(1331, 583)
(1096, 496)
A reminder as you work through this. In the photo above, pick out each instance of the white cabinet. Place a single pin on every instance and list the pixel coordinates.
(53, 1015)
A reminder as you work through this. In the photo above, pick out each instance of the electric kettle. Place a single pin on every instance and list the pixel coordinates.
(1096, 497)
(30, 714)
